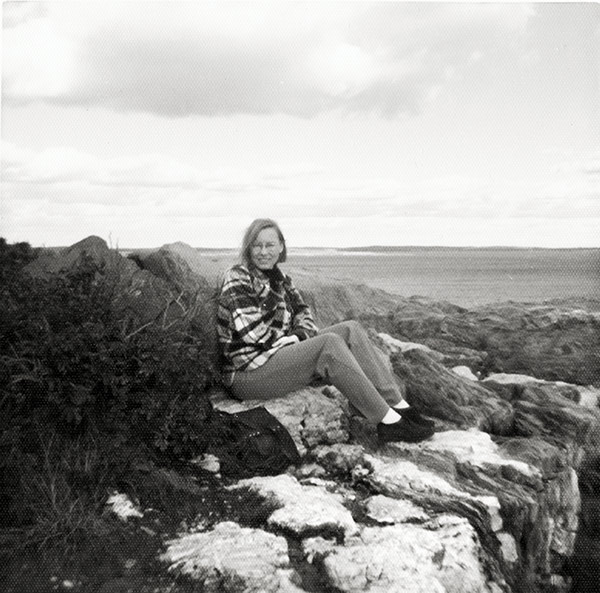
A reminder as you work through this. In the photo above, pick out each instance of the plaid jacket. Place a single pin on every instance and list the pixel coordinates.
(252, 315)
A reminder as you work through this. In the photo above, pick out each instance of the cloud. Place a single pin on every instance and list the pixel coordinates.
(181, 58)
(61, 164)
(171, 188)
(65, 165)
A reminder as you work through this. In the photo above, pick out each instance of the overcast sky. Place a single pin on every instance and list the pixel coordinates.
(350, 123)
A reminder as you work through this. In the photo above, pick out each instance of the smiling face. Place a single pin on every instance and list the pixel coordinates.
(266, 249)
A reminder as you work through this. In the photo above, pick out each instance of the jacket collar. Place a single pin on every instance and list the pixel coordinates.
(276, 273)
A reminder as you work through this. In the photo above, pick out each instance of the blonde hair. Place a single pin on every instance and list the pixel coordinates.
(252, 232)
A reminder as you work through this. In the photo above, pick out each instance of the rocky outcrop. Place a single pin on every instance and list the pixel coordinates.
(555, 341)
(463, 509)
(490, 504)
(140, 295)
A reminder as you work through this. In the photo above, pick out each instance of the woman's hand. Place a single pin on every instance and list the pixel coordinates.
(286, 341)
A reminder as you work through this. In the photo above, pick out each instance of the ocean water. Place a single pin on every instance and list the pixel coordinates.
(465, 276)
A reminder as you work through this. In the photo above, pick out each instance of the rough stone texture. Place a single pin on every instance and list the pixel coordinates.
(137, 293)
(557, 341)
(576, 424)
(437, 391)
(303, 509)
(589, 396)
(340, 458)
(511, 386)
(393, 346)
(230, 558)
(443, 557)
(386, 510)
(311, 416)
(399, 478)
(521, 490)
(451, 357)
(465, 372)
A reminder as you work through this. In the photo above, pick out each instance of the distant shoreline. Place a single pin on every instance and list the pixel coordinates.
(379, 249)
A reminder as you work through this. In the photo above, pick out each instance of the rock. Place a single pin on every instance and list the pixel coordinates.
(477, 449)
(517, 490)
(451, 356)
(333, 300)
(512, 386)
(209, 463)
(386, 510)
(171, 267)
(465, 372)
(231, 558)
(437, 391)
(339, 458)
(569, 422)
(589, 396)
(398, 478)
(303, 509)
(310, 416)
(93, 248)
(122, 506)
(556, 341)
(394, 346)
(135, 294)
(440, 558)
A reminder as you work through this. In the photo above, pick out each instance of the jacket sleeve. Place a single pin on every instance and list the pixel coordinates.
(245, 313)
(303, 324)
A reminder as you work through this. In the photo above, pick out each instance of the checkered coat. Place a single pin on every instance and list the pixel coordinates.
(253, 313)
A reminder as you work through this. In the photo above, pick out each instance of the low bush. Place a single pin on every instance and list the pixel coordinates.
(86, 395)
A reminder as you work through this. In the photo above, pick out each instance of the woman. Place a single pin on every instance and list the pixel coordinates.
(271, 345)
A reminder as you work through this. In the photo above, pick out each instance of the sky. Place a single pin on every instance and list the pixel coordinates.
(350, 123)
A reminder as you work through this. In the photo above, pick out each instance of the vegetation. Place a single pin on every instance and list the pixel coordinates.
(89, 400)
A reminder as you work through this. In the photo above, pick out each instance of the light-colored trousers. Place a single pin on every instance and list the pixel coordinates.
(341, 355)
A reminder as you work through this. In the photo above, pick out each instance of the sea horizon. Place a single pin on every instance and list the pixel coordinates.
(464, 275)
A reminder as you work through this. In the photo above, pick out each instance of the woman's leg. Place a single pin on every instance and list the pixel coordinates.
(326, 356)
(368, 359)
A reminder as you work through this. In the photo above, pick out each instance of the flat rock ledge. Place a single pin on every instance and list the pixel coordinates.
(230, 558)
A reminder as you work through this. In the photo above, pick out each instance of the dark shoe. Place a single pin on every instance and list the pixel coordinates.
(414, 415)
(404, 430)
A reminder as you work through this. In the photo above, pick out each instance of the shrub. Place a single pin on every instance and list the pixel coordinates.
(85, 395)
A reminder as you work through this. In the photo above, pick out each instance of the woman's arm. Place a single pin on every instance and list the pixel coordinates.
(303, 324)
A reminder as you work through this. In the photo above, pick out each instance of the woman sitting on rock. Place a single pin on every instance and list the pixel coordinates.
(271, 345)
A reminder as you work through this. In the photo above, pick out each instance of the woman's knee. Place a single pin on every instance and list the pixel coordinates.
(354, 328)
(334, 342)
(354, 325)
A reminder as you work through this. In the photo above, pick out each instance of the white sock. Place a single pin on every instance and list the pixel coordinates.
(401, 405)
(391, 417)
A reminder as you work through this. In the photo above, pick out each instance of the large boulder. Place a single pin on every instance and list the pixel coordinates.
(135, 294)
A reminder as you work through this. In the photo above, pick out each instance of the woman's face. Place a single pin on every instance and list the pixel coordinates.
(266, 249)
